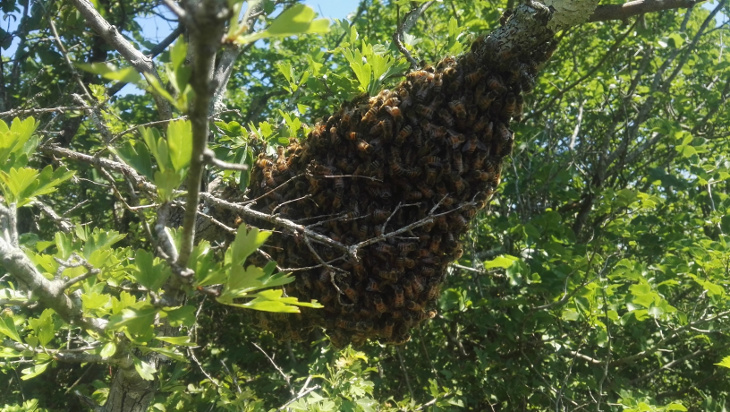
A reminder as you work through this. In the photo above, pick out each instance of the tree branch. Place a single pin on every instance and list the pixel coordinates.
(137, 59)
(205, 22)
(49, 292)
(633, 8)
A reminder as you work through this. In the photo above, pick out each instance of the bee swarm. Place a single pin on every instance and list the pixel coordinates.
(404, 172)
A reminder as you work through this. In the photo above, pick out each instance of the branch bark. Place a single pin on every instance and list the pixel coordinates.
(137, 59)
(633, 8)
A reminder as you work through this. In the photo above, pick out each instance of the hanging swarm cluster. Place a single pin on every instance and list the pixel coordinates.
(425, 156)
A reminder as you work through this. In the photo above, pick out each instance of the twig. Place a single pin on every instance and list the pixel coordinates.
(41, 110)
(281, 372)
(409, 20)
(63, 223)
(111, 35)
(209, 158)
(75, 261)
(405, 371)
(300, 395)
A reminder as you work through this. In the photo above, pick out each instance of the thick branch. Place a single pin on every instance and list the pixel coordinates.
(632, 8)
(111, 35)
(205, 22)
(50, 293)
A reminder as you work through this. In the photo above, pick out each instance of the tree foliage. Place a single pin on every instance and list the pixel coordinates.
(596, 279)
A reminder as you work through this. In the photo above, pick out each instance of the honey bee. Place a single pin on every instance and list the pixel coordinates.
(458, 107)
(388, 275)
(353, 136)
(387, 331)
(380, 215)
(413, 196)
(418, 286)
(480, 175)
(269, 178)
(432, 161)
(363, 146)
(446, 118)
(431, 176)
(425, 111)
(422, 93)
(402, 339)
(433, 291)
(470, 145)
(398, 296)
(474, 77)
(510, 106)
(411, 305)
(457, 253)
(372, 286)
(438, 82)
(385, 249)
(363, 230)
(417, 75)
(359, 270)
(394, 111)
(363, 326)
(379, 305)
(404, 262)
(413, 172)
(427, 192)
(346, 117)
(456, 139)
(459, 222)
(350, 293)
(448, 201)
(519, 108)
(425, 315)
(484, 101)
(396, 168)
(458, 162)
(263, 163)
(494, 83)
(403, 134)
(408, 289)
(405, 247)
(435, 244)
(371, 114)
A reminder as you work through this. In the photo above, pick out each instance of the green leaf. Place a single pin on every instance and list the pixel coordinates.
(298, 19)
(111, 72)
(149, 271)
(176, 340)
(145, 369)
(109, 349)
(167, 182)
(180, 143)
(33, 371)
(43, 327)
(245, 243)
(7, 328)
(135, 154)
(182, 316)
(136, 323)
(17, 142)
(272, 301)
(157, 88)
(502, 262)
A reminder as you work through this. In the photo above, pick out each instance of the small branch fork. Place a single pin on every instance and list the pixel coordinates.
(409, 20)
